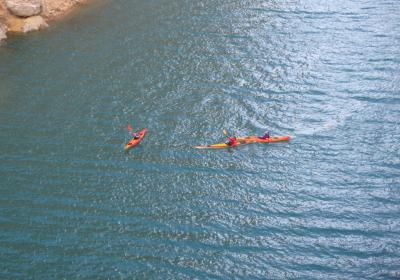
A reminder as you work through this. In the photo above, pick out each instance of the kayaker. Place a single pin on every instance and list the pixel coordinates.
(232, 141)
(135, 135)
(265, 136)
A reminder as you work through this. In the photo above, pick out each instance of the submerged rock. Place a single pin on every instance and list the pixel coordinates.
(24, 8)
(33, 24)
(25, 25)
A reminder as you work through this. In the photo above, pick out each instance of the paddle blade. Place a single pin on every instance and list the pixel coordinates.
(225, 132)
(130, 127)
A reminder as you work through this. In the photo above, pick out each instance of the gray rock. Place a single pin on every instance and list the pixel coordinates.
(3, 30)
(24, 8)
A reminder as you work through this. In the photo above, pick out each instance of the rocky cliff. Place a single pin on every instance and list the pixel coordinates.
(30, 15)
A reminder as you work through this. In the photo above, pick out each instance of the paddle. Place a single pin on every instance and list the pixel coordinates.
(130, 128)
(226, 134)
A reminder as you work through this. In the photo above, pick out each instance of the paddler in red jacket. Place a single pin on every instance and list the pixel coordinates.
(232, 141)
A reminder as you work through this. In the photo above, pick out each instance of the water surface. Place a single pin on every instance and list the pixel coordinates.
(73, 205)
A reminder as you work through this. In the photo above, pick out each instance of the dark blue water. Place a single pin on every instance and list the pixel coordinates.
(325, 205)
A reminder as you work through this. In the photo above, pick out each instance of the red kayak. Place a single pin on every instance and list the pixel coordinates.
(134, 142)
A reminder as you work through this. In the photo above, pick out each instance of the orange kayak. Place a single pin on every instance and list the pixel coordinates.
(223, 145)
(246, 140)
(272, 139)
(134, 141)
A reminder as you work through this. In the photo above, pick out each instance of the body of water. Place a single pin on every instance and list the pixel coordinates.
(325, 205)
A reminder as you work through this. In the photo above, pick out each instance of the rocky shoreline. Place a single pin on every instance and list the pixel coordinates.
(24, 16)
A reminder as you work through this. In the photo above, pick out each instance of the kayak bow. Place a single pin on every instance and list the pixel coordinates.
(134, 142)
(223, 145)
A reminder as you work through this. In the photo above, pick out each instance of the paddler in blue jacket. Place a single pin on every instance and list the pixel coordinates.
(265, 136)
(135, 135)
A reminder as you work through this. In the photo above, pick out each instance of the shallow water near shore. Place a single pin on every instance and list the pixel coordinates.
(325, 205)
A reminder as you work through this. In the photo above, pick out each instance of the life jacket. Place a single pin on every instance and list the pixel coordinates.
(233, 141)
(136, 135)
(265, 136)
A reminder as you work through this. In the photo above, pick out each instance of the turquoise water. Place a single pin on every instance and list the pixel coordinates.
(325, 205)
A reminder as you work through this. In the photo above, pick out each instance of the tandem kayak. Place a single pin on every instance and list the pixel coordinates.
(272, 139)
(133, 142)
(244, 141)
(223, 145)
